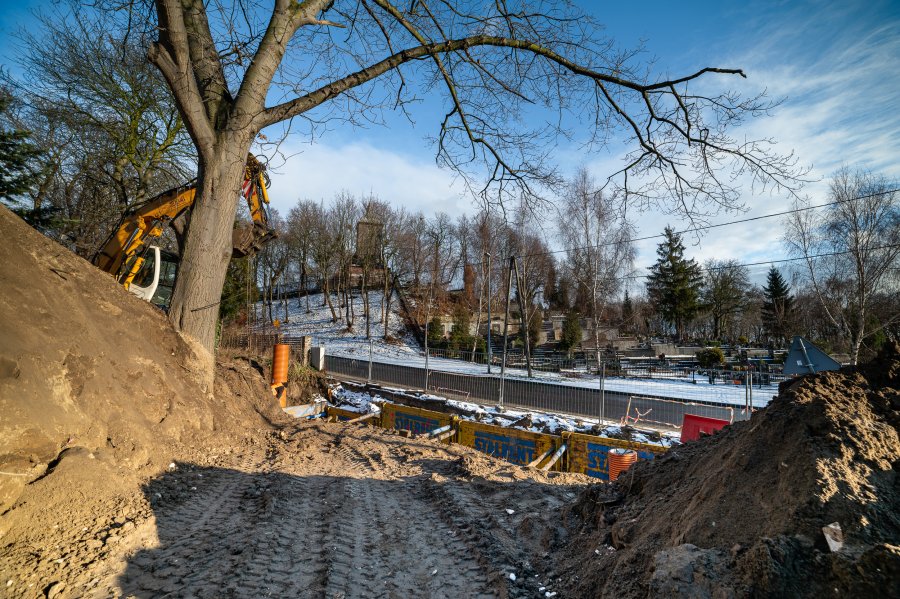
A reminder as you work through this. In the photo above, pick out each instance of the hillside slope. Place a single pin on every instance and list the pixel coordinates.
(91, 374)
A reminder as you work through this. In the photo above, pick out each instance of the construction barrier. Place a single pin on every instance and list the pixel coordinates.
(692, 426)
(590, 455)
(512, 445)
(415, 420)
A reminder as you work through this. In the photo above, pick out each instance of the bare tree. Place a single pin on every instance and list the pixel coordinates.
(443, 253)
(342, 217)
(370, 245)
(725, 287)
(850, 252)
(273, 262)
(494, 63)
(112, 134)
(300, 236)
(599, 251)
(324, 255)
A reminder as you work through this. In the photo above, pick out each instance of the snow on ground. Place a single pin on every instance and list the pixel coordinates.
(318, 324)
(405, 351)
(538, 422)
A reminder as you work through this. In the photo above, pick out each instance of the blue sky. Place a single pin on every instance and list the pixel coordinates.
(834, 63)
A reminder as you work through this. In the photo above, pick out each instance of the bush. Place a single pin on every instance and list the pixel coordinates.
(711, 357)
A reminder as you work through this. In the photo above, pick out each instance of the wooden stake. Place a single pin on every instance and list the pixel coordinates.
(446, 435)
(363, 418)
(438, 431)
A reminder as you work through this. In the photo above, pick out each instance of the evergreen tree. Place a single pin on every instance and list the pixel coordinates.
(571, 332)
(777, 306)
(238, 283)
(460, 338)
(435, 332)
(627, 313)
(17, 160)
(674, 283)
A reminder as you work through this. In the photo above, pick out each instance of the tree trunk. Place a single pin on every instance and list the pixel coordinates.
(326, 291)
(194, 308)
(387, 302)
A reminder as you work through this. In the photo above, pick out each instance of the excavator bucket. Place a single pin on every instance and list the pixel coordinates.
(247, 240)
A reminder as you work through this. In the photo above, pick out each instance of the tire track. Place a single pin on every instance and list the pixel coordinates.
(368, 518)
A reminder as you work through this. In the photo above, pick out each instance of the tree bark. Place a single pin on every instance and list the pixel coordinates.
(194, 309)
(326, 291)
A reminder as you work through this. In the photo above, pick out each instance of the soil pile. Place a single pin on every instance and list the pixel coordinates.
(96, 389)
(741, 513)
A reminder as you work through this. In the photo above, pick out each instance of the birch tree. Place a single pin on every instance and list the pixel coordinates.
(851, 252)
(599, 251)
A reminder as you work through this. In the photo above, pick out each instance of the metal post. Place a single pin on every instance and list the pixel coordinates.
(603, 393)
(750, 390)
(490, 353)
(370, 361)
(509, 272)
(746, 395)
(426, 350)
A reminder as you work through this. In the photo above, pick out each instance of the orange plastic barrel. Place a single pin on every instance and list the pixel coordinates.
(280, 363)
(619, 461)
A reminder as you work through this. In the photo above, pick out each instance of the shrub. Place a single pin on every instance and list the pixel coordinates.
(711, 357)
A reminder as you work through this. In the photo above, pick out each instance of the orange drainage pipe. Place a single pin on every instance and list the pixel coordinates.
(619, 461)
(280, 363)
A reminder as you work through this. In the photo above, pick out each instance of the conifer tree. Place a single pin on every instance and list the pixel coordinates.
(17, 160)
(674, 283)
(777, 306)
(627, 313)
(571, 332)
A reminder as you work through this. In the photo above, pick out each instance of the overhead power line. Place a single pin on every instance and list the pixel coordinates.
(715, 226)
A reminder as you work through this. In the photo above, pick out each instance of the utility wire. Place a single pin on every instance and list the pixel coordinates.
(715, 226)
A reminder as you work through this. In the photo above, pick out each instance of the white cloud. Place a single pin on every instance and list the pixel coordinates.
(319, 171)
(840, 109)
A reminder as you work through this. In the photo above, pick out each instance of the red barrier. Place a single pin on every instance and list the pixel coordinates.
(693, 425)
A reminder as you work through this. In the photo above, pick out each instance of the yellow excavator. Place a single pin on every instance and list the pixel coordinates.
(148, 271)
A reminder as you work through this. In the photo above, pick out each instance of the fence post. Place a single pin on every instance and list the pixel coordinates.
(603, 394)
(370, 361)
(750, 391)
(509, 272)
(490, 353)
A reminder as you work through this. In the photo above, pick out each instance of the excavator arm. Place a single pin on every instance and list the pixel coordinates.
(248, 240)
(125, 251)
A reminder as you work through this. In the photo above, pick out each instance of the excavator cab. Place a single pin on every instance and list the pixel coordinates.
(155, 280)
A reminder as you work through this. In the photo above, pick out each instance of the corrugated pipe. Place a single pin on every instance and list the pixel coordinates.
(280, 363)
(620, 460)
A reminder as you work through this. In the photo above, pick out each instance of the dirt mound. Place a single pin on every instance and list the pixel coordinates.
(741, 513)
(96, 389)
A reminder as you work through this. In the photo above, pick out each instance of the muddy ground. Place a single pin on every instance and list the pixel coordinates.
(309, 510)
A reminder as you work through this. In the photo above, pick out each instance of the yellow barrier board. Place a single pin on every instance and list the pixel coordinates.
(512, 445)
(343, 415)
(414, 420)
(588, 454)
